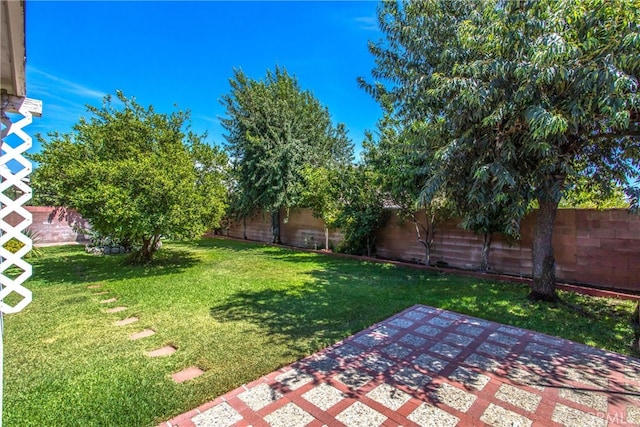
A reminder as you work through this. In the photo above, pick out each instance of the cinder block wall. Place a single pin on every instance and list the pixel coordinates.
(593, 247)
(298, 228)
(53, 225)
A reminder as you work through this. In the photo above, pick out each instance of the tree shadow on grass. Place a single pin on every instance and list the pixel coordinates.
(344, 296)
(72, 265)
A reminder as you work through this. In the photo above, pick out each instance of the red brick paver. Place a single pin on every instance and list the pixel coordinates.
(426, 366)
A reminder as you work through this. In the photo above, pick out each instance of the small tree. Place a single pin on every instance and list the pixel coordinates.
(321, 194)
(362, 212)
(401, 157)
(134, 174)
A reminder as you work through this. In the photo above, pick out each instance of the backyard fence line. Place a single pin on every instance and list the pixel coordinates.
(593, 247)
(54, 225)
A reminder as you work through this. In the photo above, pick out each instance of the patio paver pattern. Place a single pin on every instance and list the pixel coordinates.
(431, 367)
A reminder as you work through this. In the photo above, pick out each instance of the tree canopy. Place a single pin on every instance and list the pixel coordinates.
(526, 98)
(136, 175)
(274, 130)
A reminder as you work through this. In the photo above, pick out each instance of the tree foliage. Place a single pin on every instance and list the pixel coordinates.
(362, 212)
(135, 174)
(322, 194)
(401, 157)
(274, 131)
(528, 98)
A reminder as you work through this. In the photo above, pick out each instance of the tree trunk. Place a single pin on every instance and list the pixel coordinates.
(244, 228)
(428, 241)
(326, 238)
(486, 247)
(543, 287)
(275, 226)
(145, 254)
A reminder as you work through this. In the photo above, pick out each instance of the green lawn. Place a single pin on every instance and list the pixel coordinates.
(238, 311)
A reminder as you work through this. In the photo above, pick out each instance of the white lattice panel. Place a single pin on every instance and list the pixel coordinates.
(14, 270)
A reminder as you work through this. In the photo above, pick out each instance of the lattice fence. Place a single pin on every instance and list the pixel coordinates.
(14, 193)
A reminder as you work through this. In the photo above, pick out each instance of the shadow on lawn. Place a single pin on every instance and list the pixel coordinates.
(73, 265)
(344, 296)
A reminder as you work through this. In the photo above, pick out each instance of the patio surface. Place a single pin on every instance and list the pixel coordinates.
(431, 367)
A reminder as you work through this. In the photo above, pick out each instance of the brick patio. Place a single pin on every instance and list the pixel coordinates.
(431, 367)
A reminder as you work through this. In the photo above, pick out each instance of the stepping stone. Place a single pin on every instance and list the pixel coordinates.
(116, 309)
(101, 293)
(107, 301)
(126, 321)
(96, 286)
(187, 374)
(142, 334)
(163, 351)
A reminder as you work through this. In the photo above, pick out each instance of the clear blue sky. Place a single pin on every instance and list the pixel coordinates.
(183, 53)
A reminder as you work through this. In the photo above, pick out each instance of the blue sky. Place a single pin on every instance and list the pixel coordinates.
(166, 53)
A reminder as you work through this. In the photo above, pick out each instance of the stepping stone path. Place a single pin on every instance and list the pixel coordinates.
(179, 377)
(163, 351)
(127, 321)
(142, 334)
(187, 374)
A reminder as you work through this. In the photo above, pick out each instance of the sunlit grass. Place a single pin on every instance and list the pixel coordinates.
(238, 311)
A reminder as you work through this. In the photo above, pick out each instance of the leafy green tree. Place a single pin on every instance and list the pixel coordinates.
(401, 157)
(322, 195)
(582, 195)
(134, 174)
(275, 130)
(531, 94)
(362, 212)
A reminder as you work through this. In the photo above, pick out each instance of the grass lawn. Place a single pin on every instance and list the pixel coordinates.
(238, 311)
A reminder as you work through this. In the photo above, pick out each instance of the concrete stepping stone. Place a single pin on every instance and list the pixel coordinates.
(116, 309)
(126, 321)
(162, 351)
(96, 286)
(107, 301)
(187, 374)
(142, 334)
(101, 293)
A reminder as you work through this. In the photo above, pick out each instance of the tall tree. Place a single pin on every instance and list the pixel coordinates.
(533, 96)
(275, 130)
(134, 174)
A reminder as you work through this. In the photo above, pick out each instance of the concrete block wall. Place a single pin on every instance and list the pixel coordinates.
(593, 247)
(54, 225)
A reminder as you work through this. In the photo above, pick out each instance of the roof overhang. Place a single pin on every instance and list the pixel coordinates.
(12, 39)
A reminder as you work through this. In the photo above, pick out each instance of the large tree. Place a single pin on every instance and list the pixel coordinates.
(274, 130)
(534, 97)
(135, 174)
